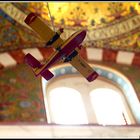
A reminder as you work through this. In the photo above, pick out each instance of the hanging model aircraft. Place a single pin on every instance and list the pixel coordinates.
(66, 51)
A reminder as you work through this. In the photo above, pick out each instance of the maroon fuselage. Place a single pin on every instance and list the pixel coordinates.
(68, 47)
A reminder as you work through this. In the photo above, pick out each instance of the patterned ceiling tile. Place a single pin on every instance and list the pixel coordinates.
(72, 16)
(15, 36)
(18, 55)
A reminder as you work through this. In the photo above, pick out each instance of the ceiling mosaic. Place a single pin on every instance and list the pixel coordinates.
(94, 16)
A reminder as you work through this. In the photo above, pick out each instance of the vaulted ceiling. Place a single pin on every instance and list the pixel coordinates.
(70, 15)
(110, 26)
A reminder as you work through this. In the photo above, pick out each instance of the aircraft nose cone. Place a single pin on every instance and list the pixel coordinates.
(80, 37)
(83, 33)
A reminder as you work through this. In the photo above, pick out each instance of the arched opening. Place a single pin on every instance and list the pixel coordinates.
(108, 106)
(109, 90)
(66, 106)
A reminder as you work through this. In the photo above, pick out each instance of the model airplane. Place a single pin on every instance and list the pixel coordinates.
(66, 51)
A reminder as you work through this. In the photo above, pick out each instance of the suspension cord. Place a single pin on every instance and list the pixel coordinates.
(50, 16)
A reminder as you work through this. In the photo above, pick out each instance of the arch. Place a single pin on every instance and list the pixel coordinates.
(66, 106)
(108, 106)
(108, 73)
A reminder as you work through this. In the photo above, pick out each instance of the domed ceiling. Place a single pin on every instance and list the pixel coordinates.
(109, 25)
(96, 17)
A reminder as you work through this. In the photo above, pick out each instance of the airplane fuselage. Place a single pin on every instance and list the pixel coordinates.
(65, 49)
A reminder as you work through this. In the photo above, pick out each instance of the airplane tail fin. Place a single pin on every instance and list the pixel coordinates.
(47, 74)
(31, 61)
(35, 64)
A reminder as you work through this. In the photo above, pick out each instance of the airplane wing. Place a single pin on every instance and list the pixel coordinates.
(47, 34)
(44, 31)
(81, 65)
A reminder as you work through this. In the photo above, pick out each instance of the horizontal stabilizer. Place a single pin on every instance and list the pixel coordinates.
(31, 61)
(47, 74)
